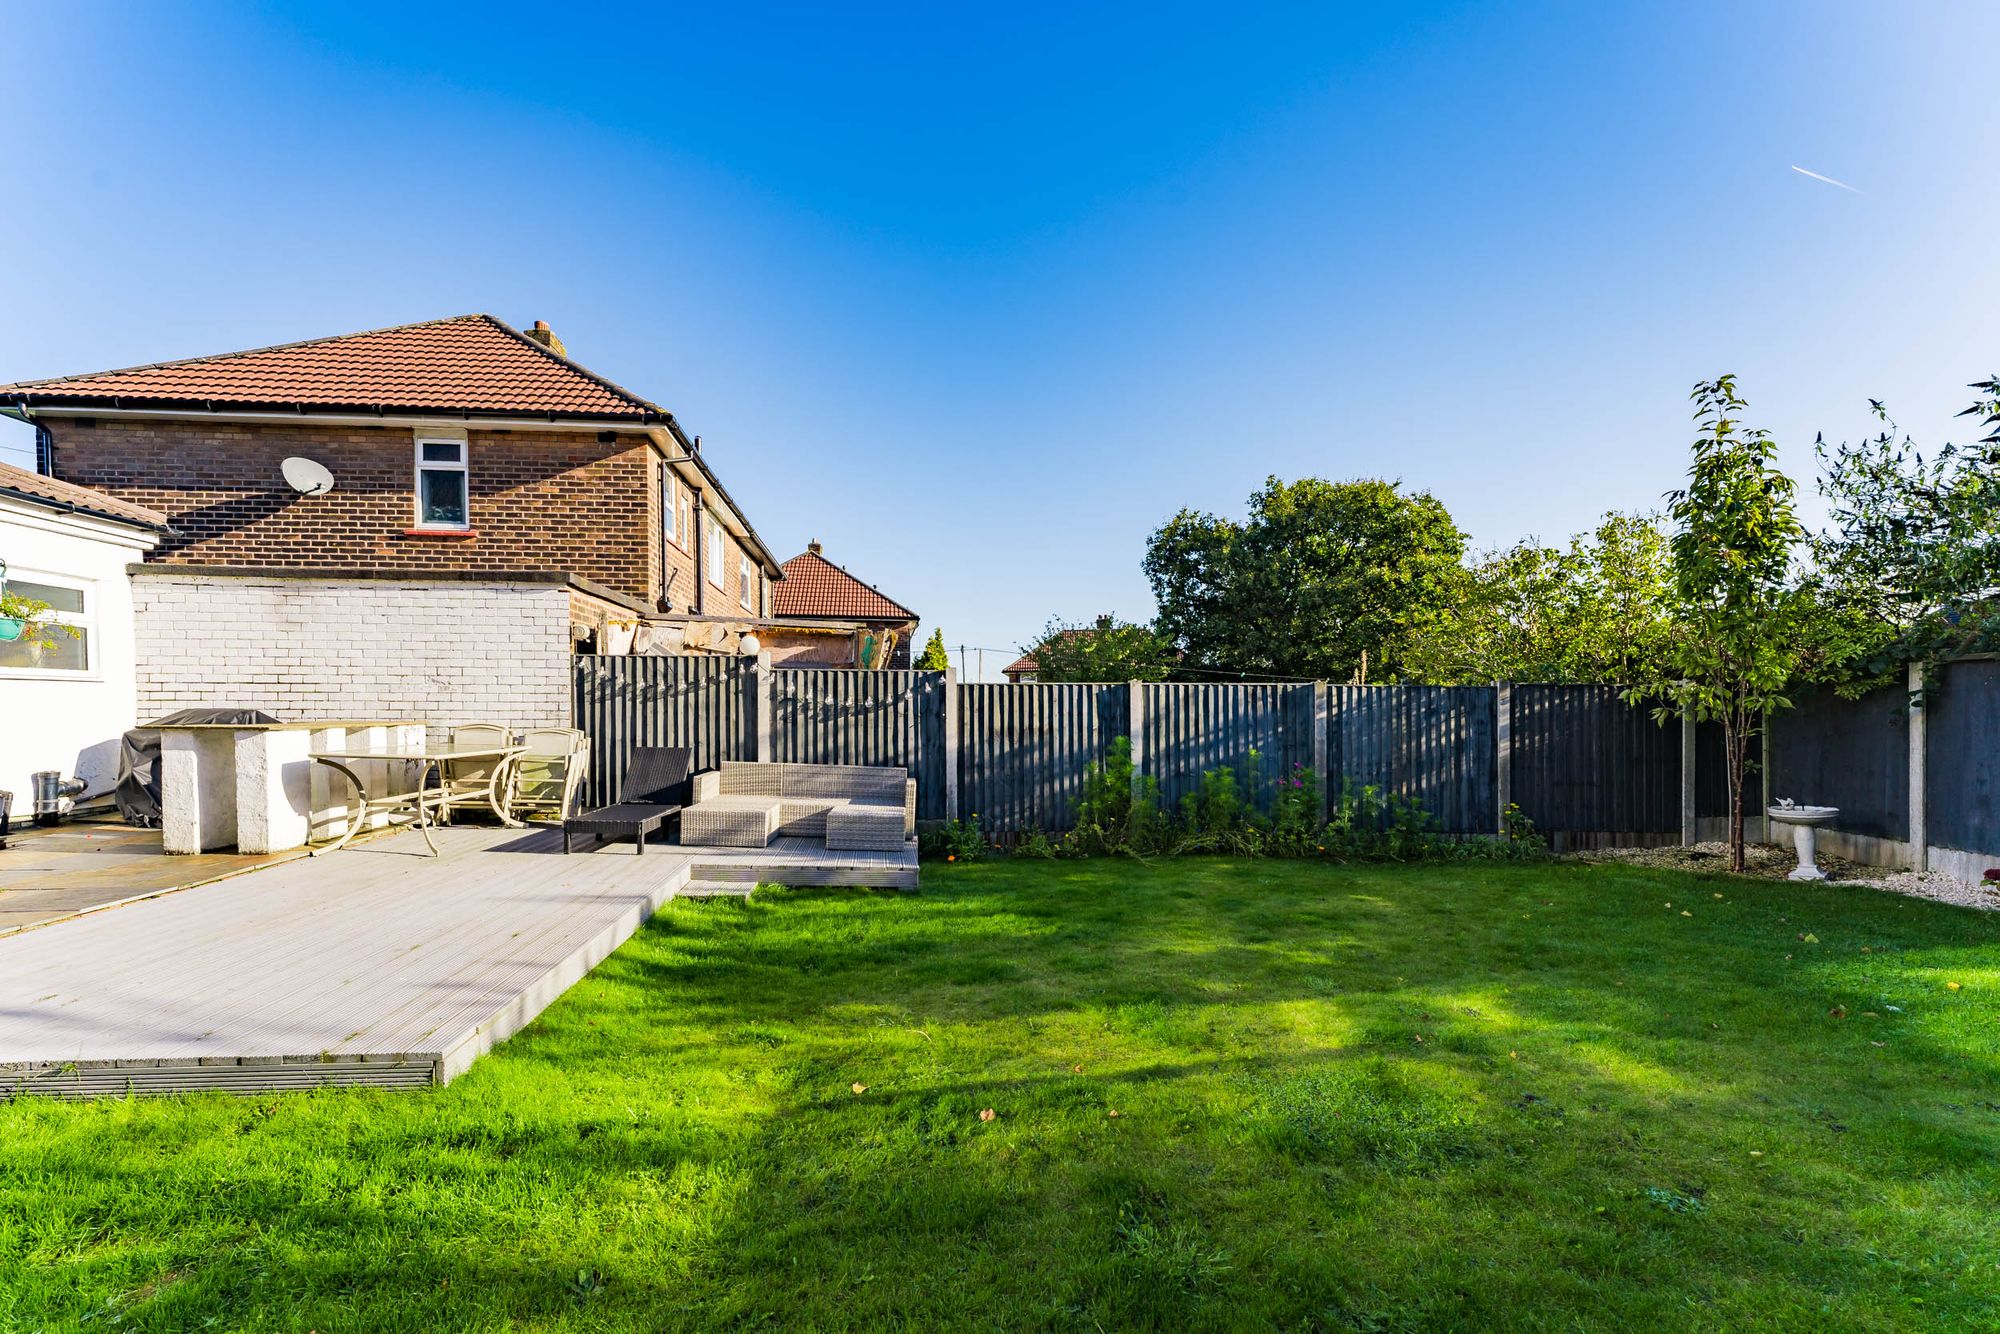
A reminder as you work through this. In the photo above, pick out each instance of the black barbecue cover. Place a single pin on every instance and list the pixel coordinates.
(139, 760)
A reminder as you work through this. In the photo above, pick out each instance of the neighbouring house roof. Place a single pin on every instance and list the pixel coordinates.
(469, 364)
(1020, 666)
(814, 586)
(37, 489)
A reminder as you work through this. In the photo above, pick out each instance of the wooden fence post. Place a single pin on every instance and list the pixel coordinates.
(1135, 720)
(950, 744)
(1503, 756)
(763, 721)
(1320, 748)
(1690, 827)
(1920, 823)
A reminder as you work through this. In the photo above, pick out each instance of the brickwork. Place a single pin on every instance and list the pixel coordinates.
(539, 500)
(447, 652)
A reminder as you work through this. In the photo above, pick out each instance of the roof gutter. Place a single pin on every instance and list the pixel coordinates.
(73, 507)
(672, 437)
(21, 409)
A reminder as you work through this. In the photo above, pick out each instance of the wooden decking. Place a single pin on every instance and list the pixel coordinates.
(50, 874)
(373, 966)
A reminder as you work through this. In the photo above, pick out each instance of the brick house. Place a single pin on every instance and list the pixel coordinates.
(492, 506)
(825, 617)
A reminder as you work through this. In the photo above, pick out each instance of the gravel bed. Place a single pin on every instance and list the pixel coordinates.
(1769, 861)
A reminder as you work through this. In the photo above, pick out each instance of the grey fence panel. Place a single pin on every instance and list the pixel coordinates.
(1962, 760)
(1431, 743)
(1711, 773)
(1591, 770)
(1850, 753)
(703, 703)
(840, 716)
(1022, 750)
(1185, 730)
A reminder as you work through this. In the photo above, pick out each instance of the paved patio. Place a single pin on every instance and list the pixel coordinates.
(377, 965)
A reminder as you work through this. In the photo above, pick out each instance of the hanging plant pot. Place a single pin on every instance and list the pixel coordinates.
(11, 628)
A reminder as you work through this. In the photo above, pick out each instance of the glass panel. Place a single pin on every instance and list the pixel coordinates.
(444, 497)
(447, 452)
(62, 599)
(50, 651)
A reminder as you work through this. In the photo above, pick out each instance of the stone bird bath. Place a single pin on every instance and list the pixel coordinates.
(1805, 821)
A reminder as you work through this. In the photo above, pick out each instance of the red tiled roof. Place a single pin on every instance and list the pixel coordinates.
(471, 364)
(67, 495)
(815, 586)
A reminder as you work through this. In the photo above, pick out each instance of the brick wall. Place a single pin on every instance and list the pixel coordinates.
(539, 500)
(446, 652)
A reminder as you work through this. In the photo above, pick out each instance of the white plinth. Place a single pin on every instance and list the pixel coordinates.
(1805, 838)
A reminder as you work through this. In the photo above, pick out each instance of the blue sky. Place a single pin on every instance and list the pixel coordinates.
(980, 300)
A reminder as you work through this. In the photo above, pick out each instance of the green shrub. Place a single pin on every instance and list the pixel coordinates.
(1034, 844)
(1119, 811)
(1232, 811)
(955, 841)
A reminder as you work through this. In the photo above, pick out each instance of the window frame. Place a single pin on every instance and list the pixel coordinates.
(463, 467)
(746, 574)
(674, 511)
(713, 558)
(85, 620)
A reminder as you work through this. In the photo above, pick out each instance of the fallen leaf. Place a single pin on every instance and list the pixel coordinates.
(1076, 1069)
(1756, 1153)
(859, 1089)
(1873, 1043)
(1718, 896)
(1112, 1113)
(1837, 1012)
(1951, 986)
(1686, 913)
(1513, 1055)
(1809, 938)
(987, 1115)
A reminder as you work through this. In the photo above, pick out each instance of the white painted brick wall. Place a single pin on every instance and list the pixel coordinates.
(362, 648)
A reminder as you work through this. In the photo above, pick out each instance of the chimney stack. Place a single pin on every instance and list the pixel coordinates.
(813, 546)
(546, 336)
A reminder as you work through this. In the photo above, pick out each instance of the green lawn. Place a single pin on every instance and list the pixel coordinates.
(1225, 1095)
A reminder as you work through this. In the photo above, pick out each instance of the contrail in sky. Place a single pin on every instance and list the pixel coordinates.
(1828, 179)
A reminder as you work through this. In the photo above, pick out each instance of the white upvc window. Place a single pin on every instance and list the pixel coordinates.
(713, 562)
(63, 640)
(747, 573)
(443, 484)
(673, 507)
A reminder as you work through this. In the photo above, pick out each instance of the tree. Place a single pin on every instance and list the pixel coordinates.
(1913, 556)
(934, 658)
(1596, 612)
(1109, 650)
(1741, 632)
(1323, 579)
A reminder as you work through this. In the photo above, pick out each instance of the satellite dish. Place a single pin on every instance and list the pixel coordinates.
(307, 477)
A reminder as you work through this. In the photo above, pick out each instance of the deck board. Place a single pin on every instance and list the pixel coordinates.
(373, 965)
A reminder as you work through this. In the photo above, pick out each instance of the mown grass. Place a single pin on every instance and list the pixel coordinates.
(1480, 1097)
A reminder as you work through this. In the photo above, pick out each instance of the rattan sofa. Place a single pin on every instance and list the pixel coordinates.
(850, 807)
